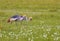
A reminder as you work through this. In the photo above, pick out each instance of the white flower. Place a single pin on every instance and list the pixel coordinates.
(45, 35)
(55, 33)
(32, 40)
(28, 39)
(49, 29)
(4, 31)
(16, 37)
(56, 38)
(23, 34)
(52, 35)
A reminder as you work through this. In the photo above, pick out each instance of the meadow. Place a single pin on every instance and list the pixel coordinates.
(45, 25)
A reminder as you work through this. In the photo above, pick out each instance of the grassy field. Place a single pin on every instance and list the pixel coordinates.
(45, 25)
(29, 4)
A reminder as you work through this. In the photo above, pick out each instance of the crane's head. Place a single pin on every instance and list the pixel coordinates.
(30, 18)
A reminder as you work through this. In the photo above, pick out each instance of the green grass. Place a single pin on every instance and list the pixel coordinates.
(29, 4)
(45, 26)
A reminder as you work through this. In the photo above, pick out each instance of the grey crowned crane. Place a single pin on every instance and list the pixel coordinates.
(20, 18)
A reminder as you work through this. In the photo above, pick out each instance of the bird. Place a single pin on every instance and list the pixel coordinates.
(19, 18)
